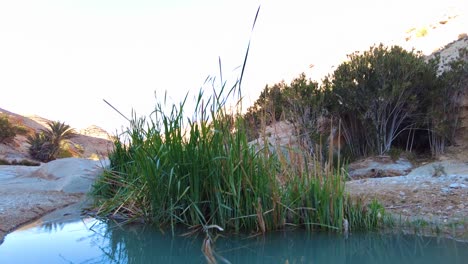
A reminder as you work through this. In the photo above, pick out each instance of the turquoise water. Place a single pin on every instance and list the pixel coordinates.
(92, 241)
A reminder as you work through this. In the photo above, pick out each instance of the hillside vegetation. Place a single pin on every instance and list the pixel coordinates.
(381, 100)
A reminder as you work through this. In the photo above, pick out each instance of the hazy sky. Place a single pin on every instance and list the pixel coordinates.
(60, 58)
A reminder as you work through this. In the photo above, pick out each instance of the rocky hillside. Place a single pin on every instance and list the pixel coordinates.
(91, 143)
(450, 52)
(432, 37)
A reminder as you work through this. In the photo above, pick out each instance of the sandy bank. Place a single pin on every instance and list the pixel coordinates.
(28, 193)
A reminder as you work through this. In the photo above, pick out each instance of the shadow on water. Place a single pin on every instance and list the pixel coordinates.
(93, 241)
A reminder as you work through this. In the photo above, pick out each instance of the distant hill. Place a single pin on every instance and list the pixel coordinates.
(92, 142)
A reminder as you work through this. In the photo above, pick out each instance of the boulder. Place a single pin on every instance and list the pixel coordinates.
(70, 175)
(378, 167)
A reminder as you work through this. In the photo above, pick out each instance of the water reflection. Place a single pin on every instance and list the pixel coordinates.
(92, 241)
(144, 244)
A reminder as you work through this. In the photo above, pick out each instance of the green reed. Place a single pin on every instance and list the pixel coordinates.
(172, 170)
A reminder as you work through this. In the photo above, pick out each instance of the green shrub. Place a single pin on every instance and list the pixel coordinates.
(378, 94)
(78, 148)
(443, 106)
(69, 149)
(395, 153)
(385, 98)
(64, 153)
(7, 130)
(21, 130)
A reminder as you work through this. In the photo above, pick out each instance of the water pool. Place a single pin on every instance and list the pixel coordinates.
(92, 241)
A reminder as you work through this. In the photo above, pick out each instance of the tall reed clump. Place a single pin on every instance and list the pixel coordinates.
(314, 193)
(175, 171)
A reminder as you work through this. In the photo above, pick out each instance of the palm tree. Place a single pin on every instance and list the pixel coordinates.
(56, 133)
(45, 145)
(40, 147)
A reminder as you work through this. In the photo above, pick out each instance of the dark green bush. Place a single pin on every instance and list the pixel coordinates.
(23, 162)
(443, 114)
(378, 94)
(9, 131)
(382, 98)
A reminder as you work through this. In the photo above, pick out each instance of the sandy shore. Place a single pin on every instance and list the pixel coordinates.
(28, 193)
(440, 201)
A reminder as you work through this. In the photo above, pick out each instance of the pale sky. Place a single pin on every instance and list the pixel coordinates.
(59, 58)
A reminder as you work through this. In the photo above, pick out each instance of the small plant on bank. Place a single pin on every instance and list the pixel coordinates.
(65, 151)
(395, 153)
(439, 170)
